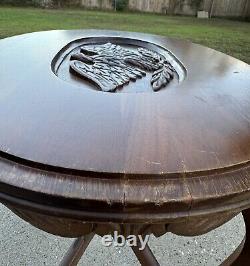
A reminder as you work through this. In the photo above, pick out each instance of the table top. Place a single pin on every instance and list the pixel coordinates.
(180, 141)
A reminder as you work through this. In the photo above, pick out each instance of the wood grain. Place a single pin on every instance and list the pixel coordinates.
(176, 156)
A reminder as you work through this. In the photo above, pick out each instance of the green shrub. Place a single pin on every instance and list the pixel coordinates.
(121, 5)
(196, 4)
(18, 2)
(65, 3)
(59, 3)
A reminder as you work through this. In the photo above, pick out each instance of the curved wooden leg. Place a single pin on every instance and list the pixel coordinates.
(244, 257)
(76, 250)
(145, 257)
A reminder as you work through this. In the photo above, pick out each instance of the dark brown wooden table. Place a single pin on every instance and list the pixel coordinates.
(103, 131)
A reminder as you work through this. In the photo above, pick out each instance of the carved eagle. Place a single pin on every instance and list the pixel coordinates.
(111, 66)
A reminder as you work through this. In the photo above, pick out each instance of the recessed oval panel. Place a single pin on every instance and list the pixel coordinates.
(118, 65)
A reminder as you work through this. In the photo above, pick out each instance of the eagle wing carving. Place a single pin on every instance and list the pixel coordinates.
(111, 66)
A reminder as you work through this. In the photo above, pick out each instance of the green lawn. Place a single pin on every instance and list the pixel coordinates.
(231, 37)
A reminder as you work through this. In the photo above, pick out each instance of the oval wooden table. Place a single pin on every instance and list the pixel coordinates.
(104, 131)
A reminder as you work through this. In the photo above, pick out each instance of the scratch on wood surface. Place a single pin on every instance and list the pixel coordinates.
(125, 185)
(150, 162)
(214, 154)
(186, 186)
(244, 117)
(201, 99)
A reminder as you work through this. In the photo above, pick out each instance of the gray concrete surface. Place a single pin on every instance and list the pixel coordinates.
(22, 244)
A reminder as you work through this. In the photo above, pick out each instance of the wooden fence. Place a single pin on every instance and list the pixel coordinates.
(162, 6)
(218, 8)
(100, 4)
(228, 8)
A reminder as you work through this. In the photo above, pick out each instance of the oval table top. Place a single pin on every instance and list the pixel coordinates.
(132, 155)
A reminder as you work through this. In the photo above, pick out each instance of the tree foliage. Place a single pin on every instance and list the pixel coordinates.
(60, 3)
(121, 5)
(196, 4)
(18, 2)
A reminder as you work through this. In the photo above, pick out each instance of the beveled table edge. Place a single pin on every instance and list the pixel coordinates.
(163, 199)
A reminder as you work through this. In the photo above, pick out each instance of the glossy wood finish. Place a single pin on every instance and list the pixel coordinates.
(178, 158)
(145, 257)
(77, 249)
(162, 134)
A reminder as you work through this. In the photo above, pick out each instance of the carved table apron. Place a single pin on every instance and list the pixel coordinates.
(105, 131)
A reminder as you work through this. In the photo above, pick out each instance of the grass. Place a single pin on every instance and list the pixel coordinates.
(230, 37)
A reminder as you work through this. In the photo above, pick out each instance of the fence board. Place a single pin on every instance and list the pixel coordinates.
(100, 4)
(221, 8)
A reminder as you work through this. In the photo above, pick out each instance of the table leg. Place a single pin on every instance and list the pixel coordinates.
(244, 257)
(145, 257)
(76, 250)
